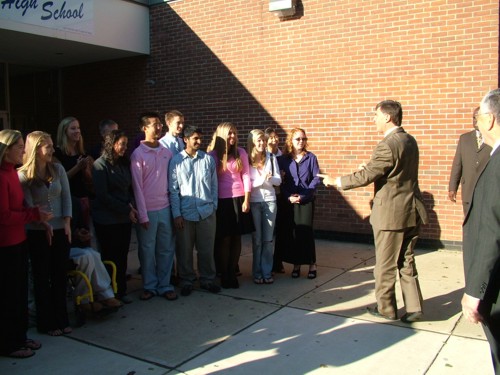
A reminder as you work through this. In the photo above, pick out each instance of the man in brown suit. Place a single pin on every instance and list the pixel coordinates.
(397, 212)
(471, 157)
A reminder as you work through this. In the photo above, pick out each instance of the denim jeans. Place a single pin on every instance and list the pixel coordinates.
(156, 251)
(264, 217)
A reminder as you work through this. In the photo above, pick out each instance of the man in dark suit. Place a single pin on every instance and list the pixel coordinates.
(397, 212)
(471, 157)
(481, 246)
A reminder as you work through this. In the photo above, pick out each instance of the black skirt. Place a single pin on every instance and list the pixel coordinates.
(294, 233)
(231, 220)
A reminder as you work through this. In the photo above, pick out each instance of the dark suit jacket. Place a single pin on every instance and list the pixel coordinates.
(393, 168)
(481, 246)
(468, 163)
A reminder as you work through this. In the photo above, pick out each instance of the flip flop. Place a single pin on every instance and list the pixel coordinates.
(32, 344)
(55, 332)
(146, 295)
(170, 295)
(22, 353)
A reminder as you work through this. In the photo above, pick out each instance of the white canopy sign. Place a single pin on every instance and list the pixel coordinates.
(68, 15)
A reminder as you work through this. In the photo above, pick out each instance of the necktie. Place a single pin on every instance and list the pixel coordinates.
(479, 139)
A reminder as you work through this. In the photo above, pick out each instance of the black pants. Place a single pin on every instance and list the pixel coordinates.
(492, 325)
(14, 292)
(114, 243)
(49, 264)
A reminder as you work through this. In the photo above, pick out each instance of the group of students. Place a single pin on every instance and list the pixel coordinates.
(45, 217)
(178, 197)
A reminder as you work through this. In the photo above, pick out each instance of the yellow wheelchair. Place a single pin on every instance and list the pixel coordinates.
(73, 274)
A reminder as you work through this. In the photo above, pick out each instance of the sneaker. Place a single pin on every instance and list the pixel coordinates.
(212, 288)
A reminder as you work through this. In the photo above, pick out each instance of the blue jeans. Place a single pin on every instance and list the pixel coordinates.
(156, 251)
(264, 217)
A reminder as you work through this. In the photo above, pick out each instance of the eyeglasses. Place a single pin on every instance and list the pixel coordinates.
(300, 139)
(476, 116)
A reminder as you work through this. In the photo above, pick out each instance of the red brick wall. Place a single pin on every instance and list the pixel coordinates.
(323, 71)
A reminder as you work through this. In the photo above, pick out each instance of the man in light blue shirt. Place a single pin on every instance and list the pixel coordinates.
(193, 200)
(172, 140)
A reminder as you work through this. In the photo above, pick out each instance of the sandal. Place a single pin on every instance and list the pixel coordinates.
(22, 353)
(258, 280)
(55, 332)
(312, 273)
(269, 281)
(67, 330)
(32, 344)
(296, 272)
(170, 295)
(146, 295)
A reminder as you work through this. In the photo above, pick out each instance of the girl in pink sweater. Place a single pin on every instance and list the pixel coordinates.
(233, 211)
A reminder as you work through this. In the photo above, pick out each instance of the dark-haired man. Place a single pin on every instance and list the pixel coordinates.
(193, 196)
(397, 212)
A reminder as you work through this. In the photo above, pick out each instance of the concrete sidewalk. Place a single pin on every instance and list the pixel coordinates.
(295, 326)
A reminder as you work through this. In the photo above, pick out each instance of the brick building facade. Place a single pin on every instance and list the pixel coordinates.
(323, 70)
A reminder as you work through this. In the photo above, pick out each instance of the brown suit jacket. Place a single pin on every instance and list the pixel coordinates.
(393, 168)
(468, 163)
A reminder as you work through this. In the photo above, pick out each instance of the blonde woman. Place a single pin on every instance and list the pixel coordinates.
(294, 234)
(13, 250)
(45, 184)
(233, 211)
(70, 152)
(264, 175)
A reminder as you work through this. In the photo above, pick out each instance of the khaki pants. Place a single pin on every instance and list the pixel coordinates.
(394, 254)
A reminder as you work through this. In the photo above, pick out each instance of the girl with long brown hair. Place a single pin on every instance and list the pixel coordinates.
(233, 211)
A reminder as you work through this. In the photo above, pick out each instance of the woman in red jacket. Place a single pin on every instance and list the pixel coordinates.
(13, 250)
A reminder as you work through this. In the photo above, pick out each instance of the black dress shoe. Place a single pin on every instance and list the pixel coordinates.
(212, 288)
(234, 284)
(412, 317)
(374, 311)
(186, 290)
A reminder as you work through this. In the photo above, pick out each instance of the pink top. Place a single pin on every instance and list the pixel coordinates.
(231, 182)
(149, 167)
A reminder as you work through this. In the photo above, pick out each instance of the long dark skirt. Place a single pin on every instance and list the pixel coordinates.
(231, 220)
(294, 233)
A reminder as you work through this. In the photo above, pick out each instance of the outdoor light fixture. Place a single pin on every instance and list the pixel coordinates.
(282, 8)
